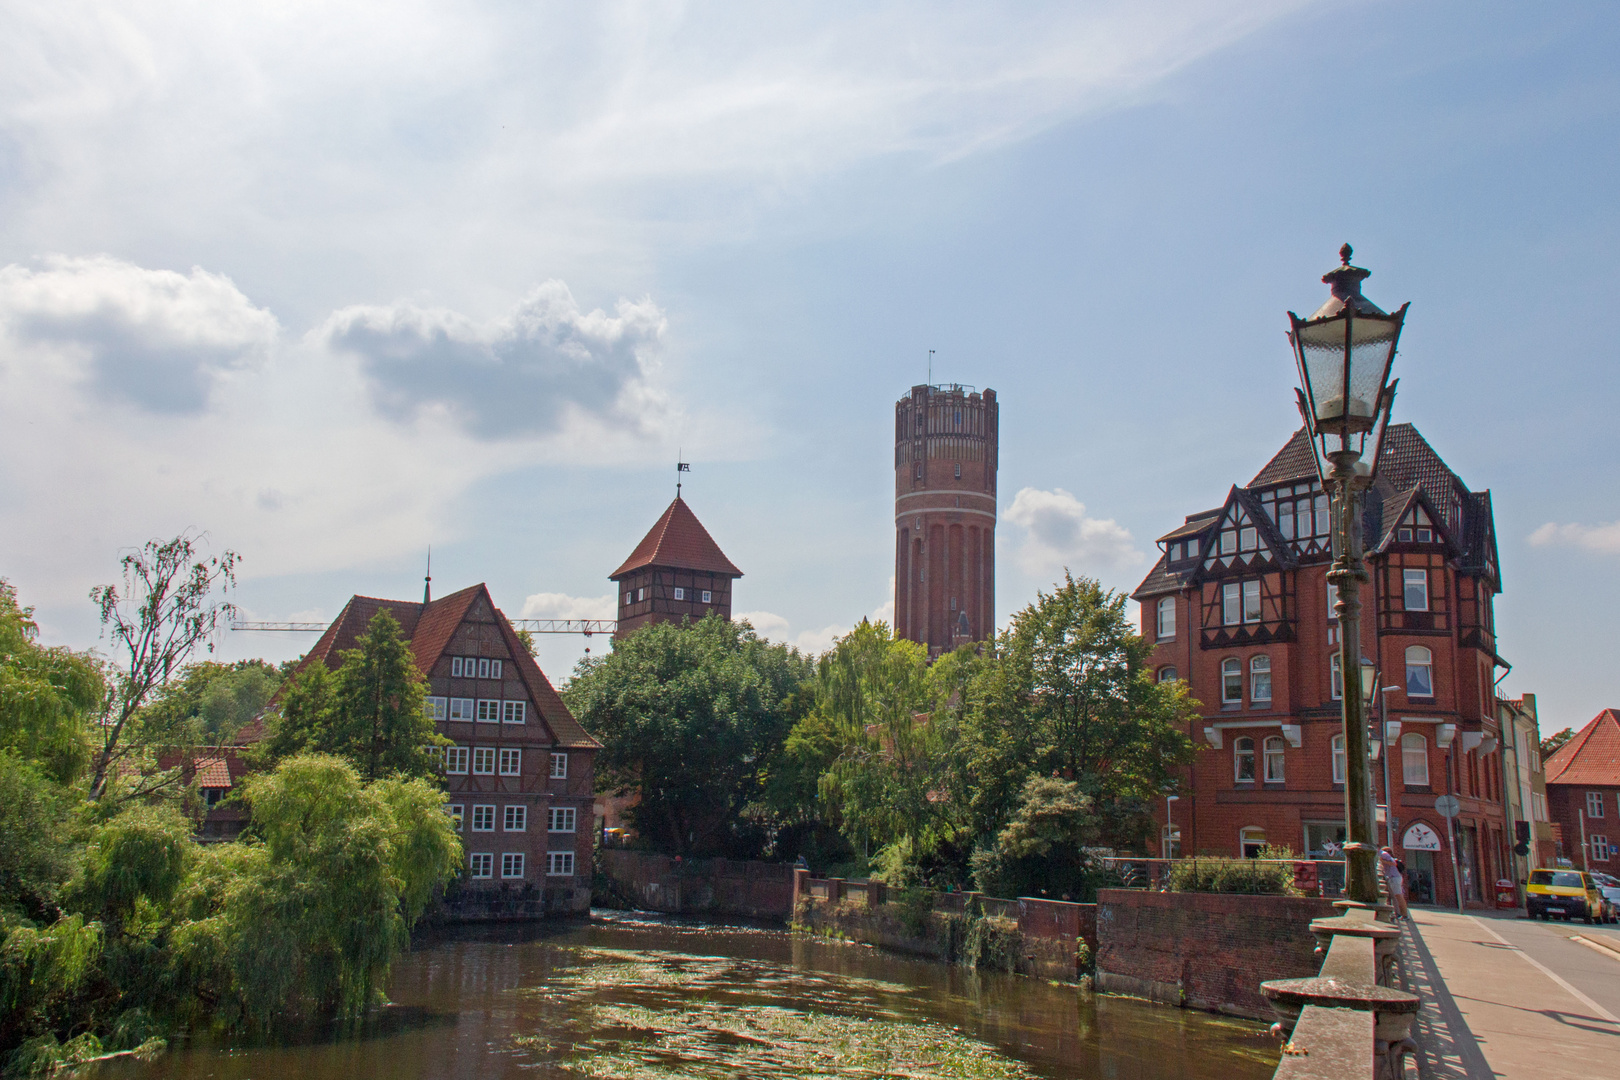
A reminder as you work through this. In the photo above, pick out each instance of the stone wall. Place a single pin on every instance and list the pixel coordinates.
(678, 886)
(1204, 950)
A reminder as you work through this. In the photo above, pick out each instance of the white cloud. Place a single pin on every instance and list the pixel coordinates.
(154, 338)
(1057, 533)
(551, 605)
(814, 641)
(1604, 539)
(517, 375)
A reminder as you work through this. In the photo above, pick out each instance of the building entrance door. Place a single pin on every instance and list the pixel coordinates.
(1420, 877)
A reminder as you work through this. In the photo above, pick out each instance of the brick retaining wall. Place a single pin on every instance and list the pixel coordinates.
(756, 890)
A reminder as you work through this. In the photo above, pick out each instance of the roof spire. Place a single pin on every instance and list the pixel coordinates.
(680, 467)
(427, 581)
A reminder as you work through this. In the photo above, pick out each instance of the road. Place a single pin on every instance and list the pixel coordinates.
(1593, 972)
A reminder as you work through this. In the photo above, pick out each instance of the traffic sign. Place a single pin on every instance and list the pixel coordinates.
(1447, 806)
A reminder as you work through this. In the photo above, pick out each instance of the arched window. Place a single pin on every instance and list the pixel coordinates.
(1252, 841)
(1274, 759)
(1243, 759)
(1414, 760)
(1336, 677)
(1167, 618)
(1419, 672)
(1260, 680)
(1338, 759)
(1168, 674)
(1231, 681)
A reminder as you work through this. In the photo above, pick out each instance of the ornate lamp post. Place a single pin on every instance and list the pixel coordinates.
(1344, 352)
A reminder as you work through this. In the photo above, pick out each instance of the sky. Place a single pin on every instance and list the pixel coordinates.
(332, 283)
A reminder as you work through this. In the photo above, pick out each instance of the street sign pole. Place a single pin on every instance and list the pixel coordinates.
(1448, 807)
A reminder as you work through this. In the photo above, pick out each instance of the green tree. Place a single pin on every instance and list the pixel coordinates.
(688, 715)
(213, 700)
(1069, 693)
(1551, 743)
(47, 696)
(1041, 850)
(370, 711)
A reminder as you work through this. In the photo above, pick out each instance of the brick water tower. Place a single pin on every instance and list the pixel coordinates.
(945, 450)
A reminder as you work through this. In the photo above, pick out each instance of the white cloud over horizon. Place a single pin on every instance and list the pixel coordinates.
(1603, 539)
(1056, 533)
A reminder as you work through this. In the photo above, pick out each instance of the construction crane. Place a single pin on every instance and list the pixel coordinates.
(298, 627)
(533, 626)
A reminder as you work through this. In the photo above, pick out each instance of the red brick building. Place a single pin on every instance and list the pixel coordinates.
(1583, 794)
(521, 773)
(676, 572)
(1240, 608)
(946, 445)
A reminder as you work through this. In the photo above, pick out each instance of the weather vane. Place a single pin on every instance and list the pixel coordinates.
(680, 467)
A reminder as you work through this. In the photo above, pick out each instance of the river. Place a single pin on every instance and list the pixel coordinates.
(647, 999)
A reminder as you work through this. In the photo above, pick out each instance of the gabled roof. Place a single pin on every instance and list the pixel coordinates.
(1194, 525)
(678, 541)
(1394, 511)
(1295, 461)
(1592, 757)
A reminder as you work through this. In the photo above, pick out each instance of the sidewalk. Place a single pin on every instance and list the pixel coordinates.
(1490, 1010)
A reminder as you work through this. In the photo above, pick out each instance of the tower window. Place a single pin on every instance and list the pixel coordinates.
(959, 470)
(919, 470)
(1415, 589)
(953, 603)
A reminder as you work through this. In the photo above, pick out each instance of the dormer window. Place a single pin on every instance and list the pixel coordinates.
(1425, 536)
(1248, 539)
(1228, 541)
(1404, 535)
(1174, 554)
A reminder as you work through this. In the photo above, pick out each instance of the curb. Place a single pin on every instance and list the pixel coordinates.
(1607, 948)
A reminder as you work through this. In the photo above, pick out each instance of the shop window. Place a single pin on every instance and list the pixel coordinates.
(1419, 671)
(1243, 760)
(1274, 759)
(1414, 760)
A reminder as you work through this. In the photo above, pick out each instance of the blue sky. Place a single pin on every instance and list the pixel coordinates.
(334, 282)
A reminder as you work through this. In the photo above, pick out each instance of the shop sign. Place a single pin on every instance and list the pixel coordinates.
(1421, 838)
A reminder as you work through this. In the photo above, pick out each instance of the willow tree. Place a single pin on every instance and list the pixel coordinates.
(48, 697)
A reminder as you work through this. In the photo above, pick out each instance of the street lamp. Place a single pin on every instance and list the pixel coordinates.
(1344, 352)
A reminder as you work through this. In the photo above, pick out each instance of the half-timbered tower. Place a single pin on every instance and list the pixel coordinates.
(676, 572)
(1240, 608)
(521, 773)
(946, 441)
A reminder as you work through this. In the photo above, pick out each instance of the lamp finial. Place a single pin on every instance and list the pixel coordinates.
(1344, 255)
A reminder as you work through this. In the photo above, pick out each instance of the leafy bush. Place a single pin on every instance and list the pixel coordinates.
(1221, 875)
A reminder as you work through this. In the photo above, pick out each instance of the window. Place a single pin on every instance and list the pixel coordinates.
(489, 712)
(919, 470)
(680, 593)
(1600, 848)
(482, 863)
(1415, 589)
(559, 864)
(1404, 534)
(1231, 601)
(1285, 520)
(1419, 672)
(1174, 554)
(1232, 681)
(1251, 601)
(1323, 523)
(455, 812)
(1260, 680)
(1248, 539)
(1332, 602)
(1425, 536)
(1594, 804)
(489, 669)
(1538, 807)
(1167, 674)
(512, 864)
(1252, 841)
(1167, 618)
(461, 708)
(1274, 759)
(959, 470)
(1228, 541)
(1338, 759)
(1243, 760)
(641, 594)
(562, 819)
(483, 818)
(515, 819)
(483, 761)
(435, 708)
(455, 760)
(511, 761)
(1414, 760)
(708, 597)
(1336, 678)
(559, 766)
(455, 667)
(513, 712)
(212, 795)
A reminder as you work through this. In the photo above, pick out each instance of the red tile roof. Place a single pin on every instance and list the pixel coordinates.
(678, 540)
(1592, 756)
(213, 772)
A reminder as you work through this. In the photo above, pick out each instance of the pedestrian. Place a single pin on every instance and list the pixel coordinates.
(1395, 879)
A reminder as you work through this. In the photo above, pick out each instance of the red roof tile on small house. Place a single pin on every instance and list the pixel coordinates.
(213, 773)
(678, 540)
(1592, 757)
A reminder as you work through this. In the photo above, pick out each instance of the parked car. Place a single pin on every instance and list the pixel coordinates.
(1569, 893)
(1609, 886)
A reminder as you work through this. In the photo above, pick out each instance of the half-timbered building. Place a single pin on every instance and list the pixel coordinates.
(676, 572)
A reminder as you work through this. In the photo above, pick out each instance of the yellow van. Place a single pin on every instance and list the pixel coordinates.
(1569, 893)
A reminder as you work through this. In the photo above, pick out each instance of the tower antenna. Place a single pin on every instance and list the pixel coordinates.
(930, 367)
(427, 581)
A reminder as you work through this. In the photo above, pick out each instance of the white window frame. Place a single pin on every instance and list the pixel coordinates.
(455, 760)
(1335, 677)
(1414, 760)
(1231, 604)
(1243, 750)
(559, 766)
(483, 761)
(1251, 835)
(680, 593)
(436, 708)
(1253, 607)
(559, 864)
(561, 819)
(1260, 679)
(482, 864)
(1276, 764)
(1332, 602)
(514, 712)
(455, 667)
(1425, 665)
(1415, 581)
(461, 709)
(1340, 760)
(483, 817)
(514, 818)
(1248, 538)
(641, 594)
(1168, 673)
(489, 711)
(511, 865)
(458, 815)
(1594, 804)
(1324, 517)
(483, 668)
(1600, 847)
(708, 597)
(511, 761)
(1231, 681)
(1167, 618)
(1228, 541)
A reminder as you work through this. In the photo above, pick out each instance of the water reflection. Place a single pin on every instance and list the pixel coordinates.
(644, 999)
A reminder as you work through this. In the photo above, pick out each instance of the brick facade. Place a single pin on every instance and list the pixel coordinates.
(676, 572)
(1239, 607)
(1583, 794)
